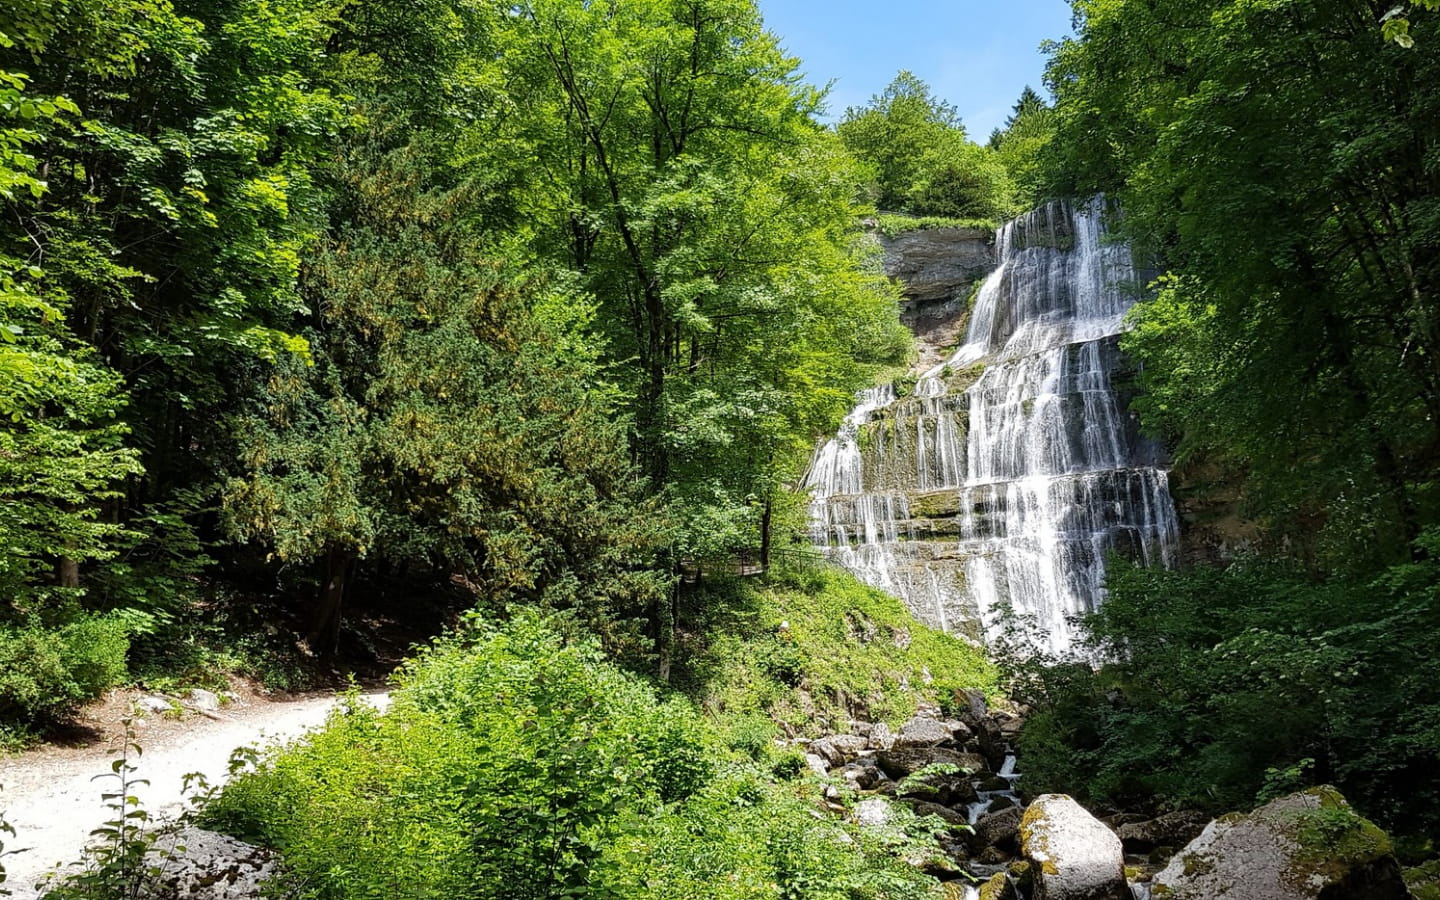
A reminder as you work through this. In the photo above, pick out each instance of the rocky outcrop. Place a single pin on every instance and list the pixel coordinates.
(922, 731)
(1307, 846)
(937, 268)
(938, 264)
(1073, 854)
(900, 762)
(932, 766)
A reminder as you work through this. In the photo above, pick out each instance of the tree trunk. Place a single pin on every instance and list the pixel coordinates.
(667, 632)
(325, 625)
(67, 572)
(765, 537)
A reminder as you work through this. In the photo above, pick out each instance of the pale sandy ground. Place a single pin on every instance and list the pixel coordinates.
(52, 798)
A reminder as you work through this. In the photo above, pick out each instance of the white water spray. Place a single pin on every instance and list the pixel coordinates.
(1010, 487)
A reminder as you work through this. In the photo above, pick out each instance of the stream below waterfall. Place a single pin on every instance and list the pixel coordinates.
(1010, 471)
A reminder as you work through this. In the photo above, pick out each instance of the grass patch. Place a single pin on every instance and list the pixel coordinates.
(891, 224)
(813, 648)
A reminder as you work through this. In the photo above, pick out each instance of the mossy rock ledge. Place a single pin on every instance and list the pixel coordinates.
(1307, 845)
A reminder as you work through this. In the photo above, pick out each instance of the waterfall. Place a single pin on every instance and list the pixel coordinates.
(1009, 472)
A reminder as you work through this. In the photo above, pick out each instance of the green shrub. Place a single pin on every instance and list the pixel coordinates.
(892, 225)
(743, 838)
(1228, 687)
(47, 672)
(509, 761)
(516, 763)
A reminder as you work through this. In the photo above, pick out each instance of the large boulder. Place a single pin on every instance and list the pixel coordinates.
(828, 752)
(1307, 846)
(959, 731)
(817, 765)
(1073, 855)
(862, 776)
(945, 789)
(1172, 830)
(873, 813)
(902, 761)
(943, 813)
(997, 829)
(991, 744)
(209, 866)
(851, 745)
(181, 862)
(922, 732)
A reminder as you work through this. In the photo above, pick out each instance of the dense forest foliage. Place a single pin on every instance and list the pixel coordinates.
(1278, 163)
(541, 304)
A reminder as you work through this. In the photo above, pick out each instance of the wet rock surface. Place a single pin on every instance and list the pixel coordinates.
(936, 766)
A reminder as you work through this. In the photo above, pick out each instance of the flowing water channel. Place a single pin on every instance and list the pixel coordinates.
(1007, 474)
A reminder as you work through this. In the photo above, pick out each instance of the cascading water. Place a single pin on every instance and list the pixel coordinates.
(1011, 470)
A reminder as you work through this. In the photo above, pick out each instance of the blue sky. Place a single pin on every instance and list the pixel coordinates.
(977, 55)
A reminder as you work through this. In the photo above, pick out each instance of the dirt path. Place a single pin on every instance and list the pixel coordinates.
(52, 799)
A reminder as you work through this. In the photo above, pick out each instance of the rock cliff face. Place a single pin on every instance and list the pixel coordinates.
(938, 269)
(938, 264)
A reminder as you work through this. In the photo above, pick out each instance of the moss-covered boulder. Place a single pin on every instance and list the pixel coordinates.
(1424, 881)
(999, 887)
(1307, 846)
(1072, 854)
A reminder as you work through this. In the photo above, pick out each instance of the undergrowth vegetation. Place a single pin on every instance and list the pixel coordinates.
(891, 225)
(810, 648)
(47, 672)
(1229, 687)
(517, 761)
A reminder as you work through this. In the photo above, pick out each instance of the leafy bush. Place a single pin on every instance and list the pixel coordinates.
(1228, 686)
(45, 672)
(508, 763)
(518, 763)
(743, 838)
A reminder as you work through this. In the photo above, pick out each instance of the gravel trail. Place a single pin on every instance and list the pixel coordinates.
(52, 798)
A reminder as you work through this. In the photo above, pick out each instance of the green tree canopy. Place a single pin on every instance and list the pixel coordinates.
(919, 157)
